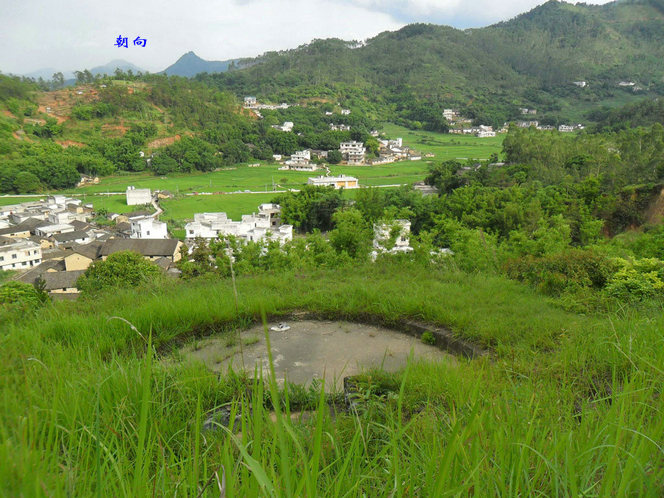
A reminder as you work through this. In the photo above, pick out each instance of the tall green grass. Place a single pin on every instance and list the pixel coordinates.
(564, 405)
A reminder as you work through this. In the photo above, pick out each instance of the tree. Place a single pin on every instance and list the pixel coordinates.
(334, 157)
(120, 270)
(58, 80)
(352, 234)
(26, 183)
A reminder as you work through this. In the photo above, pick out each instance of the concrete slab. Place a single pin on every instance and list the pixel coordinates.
(313, 350)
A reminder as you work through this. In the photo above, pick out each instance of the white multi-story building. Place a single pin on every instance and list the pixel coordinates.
(339, 127)
(345, 112)
(299, 158)
(19, 254)
(581, 84)
(353, 152)
(249, 101)
(252, 228)
(138, 196)
(146, 227)
(565, 129)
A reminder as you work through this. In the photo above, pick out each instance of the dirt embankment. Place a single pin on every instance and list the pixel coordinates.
(655, 212)
(69, 143)
(163, 142)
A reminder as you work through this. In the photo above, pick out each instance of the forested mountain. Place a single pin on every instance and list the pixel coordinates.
(531, 60)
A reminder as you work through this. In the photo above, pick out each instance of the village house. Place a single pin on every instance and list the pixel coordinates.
(287, 126)
(51, 230)
(581, 84)
(252, 228)
(565, 129)
(341, 181)
(62, 284)
(19, 254)
(339, 127)
(138, 196)
(146, 227)
(345, 112)
(74, 237)
(151, 249)
(299, 158)
(352, 152)
(250, 101)
(82, 256)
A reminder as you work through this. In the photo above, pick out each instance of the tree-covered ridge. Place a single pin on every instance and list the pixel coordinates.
(530, 61)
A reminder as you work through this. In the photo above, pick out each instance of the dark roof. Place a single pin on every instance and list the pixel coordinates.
(75, 235)
(61, 279)
(31, 276)
(54, 254)
(33, 223)
(80, 225)
(123, 227)
(13, 229)
(146, 247)
(90, 250)
(6, 240)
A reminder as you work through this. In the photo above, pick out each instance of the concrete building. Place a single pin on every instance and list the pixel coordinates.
(138, 196)
(50, 230)
(152, 249)
(299, 158)
(353, 152)
(146, 227)
(249, 101)
(19, 254)
(341, 181)
(252, 228)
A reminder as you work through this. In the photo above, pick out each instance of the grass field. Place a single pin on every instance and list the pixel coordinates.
(447, 147)
(234, 205)
(565, 405)
(243, 177)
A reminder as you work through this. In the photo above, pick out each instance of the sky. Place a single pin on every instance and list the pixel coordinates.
(76, 34)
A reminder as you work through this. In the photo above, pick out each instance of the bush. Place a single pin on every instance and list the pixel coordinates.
(566, 271)
(18, 295)
(121, 269)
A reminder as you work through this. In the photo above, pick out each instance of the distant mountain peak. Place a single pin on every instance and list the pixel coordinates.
(190, 64)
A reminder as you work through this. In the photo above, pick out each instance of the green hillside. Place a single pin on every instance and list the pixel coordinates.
(529, 61)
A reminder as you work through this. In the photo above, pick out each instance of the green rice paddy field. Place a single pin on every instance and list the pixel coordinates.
(230, 185)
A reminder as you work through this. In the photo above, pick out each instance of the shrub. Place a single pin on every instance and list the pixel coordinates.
(121, 269)
(566, 271)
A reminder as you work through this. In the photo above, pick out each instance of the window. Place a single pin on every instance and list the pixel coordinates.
(14, 256)
(147, 233)
(191, 232)
(2, 258)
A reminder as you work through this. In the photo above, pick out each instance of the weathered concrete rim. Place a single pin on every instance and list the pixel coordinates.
(445, 340)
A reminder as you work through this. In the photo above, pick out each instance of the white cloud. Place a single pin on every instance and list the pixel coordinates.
(75, 34)
(460, 13)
